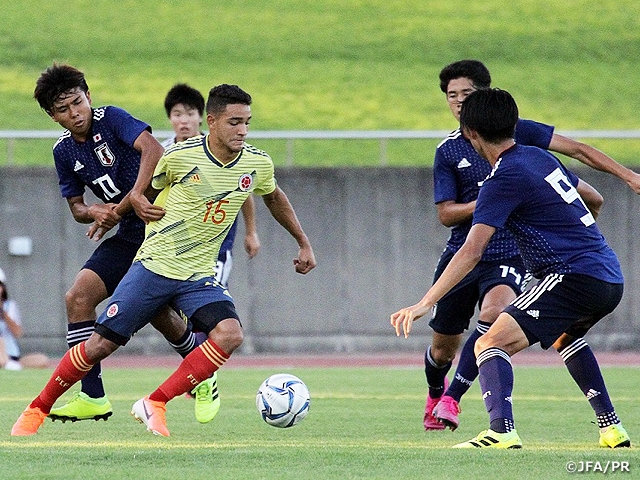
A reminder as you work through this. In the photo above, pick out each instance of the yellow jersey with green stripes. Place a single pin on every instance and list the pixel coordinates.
(202, 198)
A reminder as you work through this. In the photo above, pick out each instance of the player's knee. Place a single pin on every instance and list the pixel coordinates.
(228, 334)
(79, 306)
(443, 353)
(98, 348)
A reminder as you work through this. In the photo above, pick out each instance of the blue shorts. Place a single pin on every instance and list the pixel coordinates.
(141, 294)
(563, 304)
(111, 260)
(452, 314)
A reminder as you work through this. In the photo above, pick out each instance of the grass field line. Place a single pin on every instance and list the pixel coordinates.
(338, 396)
(139, 446)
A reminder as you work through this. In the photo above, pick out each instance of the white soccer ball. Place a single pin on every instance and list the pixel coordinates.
(283, 400)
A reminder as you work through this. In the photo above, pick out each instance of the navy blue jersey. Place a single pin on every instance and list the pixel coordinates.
(533, 195)
(106, 163)
(458, 173)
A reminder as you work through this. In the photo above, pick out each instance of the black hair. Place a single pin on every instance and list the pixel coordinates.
(55, 81)
(491, 112)
(186, 95)
(474, 70)
(223, 95)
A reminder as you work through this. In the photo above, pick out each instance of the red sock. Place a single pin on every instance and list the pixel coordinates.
(196, 367)
(71, 369)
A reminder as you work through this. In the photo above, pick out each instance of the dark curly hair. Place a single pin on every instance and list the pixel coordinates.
(55, 81)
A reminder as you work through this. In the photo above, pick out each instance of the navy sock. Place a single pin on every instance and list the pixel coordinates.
(92, 382)
(435, 375)
(583, 367)
(185, 344)
(496, 384)
(467, 370)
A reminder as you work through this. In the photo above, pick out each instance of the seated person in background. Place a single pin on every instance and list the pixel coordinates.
(10, 331)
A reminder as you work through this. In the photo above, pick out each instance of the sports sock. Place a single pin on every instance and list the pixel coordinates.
(496, 384)
(72, 367)
(196, 367)
(467, 369)
(585, 370)
(185, 344)
(435, 374)
(92, 383)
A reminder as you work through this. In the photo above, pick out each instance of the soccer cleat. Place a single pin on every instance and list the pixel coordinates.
(429, 421)
(28, 422)
(83, 407)
(447, 411)
(491, 439)
(207, 399)
(152, 414)
(614, 436)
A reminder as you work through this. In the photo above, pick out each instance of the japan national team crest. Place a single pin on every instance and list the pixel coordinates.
(245, 182)
(106, 157)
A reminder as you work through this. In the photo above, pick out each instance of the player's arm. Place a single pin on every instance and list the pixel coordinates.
(251, 240)
(451, 213)
(460, 265)
(281, 209)
(594, 158)
(103, 214)
(138, 199)
(592, 198)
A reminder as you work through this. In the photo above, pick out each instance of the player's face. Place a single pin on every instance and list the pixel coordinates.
(185, 121)
(72, 110)
(228, 131)
(457, 90)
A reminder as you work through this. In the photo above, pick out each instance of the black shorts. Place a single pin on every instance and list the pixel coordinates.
(452, 314)
(111, 260)
(563, 304)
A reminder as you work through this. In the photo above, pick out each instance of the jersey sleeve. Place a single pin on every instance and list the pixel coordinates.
(266, 180)
(535, 134)
(445, 185)
(124, 125)
(160, 175)
(69, 183)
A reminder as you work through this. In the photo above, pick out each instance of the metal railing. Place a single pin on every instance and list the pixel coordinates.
(290, 136)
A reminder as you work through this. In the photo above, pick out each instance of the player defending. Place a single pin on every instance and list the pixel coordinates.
(547, 209)
(101, 149)
(499, 276)
(201, 186)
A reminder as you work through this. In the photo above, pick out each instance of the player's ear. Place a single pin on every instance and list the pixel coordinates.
(88, 94)
(211, 120)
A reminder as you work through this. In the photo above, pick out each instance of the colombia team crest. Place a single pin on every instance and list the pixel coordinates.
(245, 182)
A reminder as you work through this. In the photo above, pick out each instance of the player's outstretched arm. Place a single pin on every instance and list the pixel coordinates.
(251, 239)
(460, 265)
(594, 158)
(281, 209)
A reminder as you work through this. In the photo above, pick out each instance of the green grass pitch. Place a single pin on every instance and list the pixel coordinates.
(364, 423)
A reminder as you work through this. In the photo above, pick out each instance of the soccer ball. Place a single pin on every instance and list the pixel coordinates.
(283, 400)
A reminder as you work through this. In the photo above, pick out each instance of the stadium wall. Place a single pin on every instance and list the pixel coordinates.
(376, 237)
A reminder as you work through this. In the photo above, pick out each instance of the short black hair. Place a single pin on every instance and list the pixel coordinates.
(186, 95)
(55, 81)
(474, 70)
(491, 112)
(223, 95)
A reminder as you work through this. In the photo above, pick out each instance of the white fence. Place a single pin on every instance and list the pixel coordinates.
(289, 136)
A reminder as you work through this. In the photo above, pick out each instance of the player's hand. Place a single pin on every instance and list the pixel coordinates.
(403, 319)
(104, 215)
(147, 211)
(305, 261)
(96, 232)
(252, 244)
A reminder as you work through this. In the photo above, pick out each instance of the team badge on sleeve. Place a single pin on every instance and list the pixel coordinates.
(245, 182)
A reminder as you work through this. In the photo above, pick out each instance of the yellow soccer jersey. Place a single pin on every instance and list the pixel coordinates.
(202, 198)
